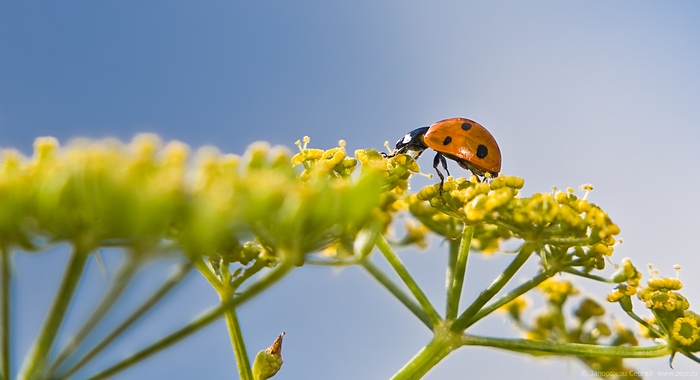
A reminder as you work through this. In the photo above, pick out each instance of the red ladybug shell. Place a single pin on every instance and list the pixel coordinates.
(466, 142)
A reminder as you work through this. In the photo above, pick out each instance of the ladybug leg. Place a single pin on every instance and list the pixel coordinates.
(443, 161)
(437, 161)
(387, 155)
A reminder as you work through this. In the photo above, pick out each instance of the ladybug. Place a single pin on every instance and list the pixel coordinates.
(459, 139)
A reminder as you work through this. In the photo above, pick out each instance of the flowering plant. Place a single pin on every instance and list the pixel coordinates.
(245, 222)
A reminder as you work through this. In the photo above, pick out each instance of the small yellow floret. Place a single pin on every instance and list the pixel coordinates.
(685, 331)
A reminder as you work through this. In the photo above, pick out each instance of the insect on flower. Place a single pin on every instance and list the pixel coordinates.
(465, 141)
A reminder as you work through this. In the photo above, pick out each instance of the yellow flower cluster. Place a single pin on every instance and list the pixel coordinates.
(96, 193)
(396, 170)
(415, 234)
(515, 307)
(590, 327)
(629, 277)
(590, 308)
(563, 224)
(660, 294)
(333, 162)
(663, 299)
(669, 307)
(557, 292)
(92, 193)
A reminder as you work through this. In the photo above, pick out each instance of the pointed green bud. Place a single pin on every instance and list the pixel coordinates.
(268, 363)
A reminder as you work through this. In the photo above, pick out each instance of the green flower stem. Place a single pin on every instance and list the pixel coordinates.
(398, 293)
(587, 275)
(234, 330)
(660, 323)
(561, 348)
(227, 292)
(6, 282)
(204, 320)
(442, 344)
(644, 323)
(257, 266)
(206, 270)
(121, 280)
(456, 272)
(36, 361)
(451, 262)
(161, 292)
(463, 320)
(413, 287)
(513, 294)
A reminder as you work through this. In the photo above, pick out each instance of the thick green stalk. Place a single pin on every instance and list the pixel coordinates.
(234, 330)
(444, 342)
(451, 263)
(227, 292)
(561, 348)
(403, 273)
(398, 293)
(455, 274)
(204, 320)
(161, 292)
(461, 322)
(6, 282)
(36, 362)
(122, 279)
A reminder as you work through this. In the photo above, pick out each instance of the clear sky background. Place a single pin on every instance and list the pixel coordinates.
(598, 92)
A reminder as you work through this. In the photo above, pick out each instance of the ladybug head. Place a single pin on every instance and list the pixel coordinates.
(412, 141)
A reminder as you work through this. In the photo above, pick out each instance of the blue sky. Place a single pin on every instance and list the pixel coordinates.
(575, 92)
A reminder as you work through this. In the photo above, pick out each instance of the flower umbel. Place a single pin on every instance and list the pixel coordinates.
(245, 221)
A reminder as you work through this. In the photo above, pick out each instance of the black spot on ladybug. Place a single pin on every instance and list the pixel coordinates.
(447, 140)
(482, 151)
(466, 126)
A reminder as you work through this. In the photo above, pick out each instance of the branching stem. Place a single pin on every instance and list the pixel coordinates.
(403, 273)
(210, 316)
(463, 320)
(147, 305)
(398, 293)
(36, 361)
